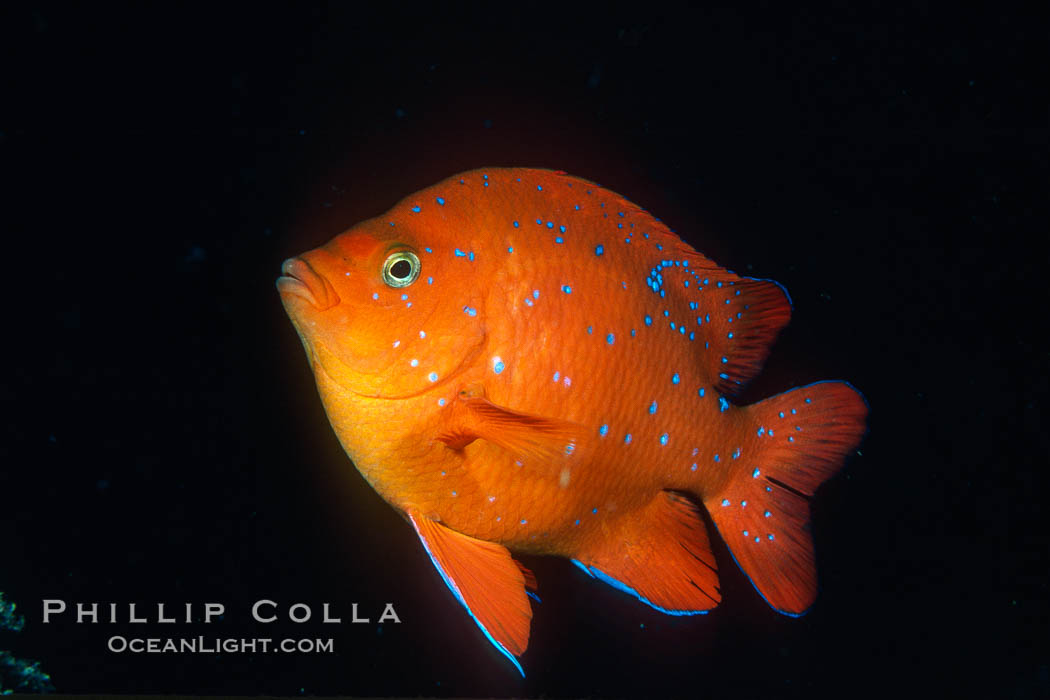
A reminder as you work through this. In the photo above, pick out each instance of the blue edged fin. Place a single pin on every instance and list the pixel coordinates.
(485, 580)
(661, 556)
(796, 440)
(620, 586)
(737, 318)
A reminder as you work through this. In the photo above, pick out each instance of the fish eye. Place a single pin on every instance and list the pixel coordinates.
(400, 269)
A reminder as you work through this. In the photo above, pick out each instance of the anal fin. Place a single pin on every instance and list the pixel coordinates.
(485, 580)
(661, 556)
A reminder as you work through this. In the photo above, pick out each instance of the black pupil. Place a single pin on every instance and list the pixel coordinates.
(401, 269)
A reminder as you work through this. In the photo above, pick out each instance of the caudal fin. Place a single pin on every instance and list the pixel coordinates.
(800, 439)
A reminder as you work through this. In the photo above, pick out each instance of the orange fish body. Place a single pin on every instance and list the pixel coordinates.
(520, 360)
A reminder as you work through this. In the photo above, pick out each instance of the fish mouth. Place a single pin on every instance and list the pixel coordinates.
(299, 279)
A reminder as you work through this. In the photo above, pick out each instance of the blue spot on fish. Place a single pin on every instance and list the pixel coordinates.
(470, 311)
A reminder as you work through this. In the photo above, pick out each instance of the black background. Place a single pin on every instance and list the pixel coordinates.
(162, 440)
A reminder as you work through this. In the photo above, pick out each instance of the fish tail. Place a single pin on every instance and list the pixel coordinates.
(797, 440)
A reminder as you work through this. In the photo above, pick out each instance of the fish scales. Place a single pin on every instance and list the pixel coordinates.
(522, 361)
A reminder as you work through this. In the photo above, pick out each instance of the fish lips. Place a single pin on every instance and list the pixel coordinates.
(299, 279)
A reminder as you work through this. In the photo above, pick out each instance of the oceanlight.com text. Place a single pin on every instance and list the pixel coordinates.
(214, 645)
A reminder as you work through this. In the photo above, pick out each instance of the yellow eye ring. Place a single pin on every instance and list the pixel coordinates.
(401, 269)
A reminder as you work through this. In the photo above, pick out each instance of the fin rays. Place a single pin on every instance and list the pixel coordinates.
(485, 580)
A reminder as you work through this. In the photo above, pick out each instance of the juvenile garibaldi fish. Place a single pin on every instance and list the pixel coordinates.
(522, 361)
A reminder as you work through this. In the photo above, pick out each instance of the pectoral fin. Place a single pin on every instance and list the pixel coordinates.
(485, 579)
(532, 439)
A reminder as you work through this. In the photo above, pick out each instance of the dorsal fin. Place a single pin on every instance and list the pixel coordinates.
(736, 318)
